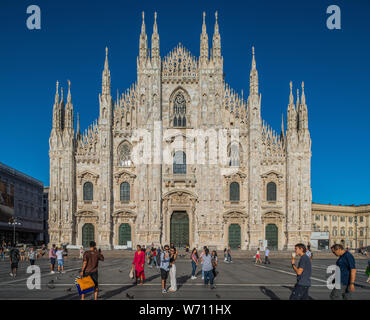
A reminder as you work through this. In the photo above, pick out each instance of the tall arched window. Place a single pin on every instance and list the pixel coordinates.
(179, 111)
(234, 191)
(234, 155)
(124, 192)
(124, 155)
(179, 162)
(271, 191)
(88, 191)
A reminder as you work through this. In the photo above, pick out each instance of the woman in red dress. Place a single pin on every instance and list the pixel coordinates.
(138, 263)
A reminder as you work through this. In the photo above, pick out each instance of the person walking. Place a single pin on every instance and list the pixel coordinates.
(153, 257)
(60, 259)
(14, 257)
(308, 252)
(32, 256)
(52, 258)
(23, 254)
(201, 260)
(173, 256)
(159, 250)
(2, 253)
(90, 266)
(229, 255)
(165, 267)
(138, 264)
(81, 252)
(347, 265)
(225, 255)
(147, 254)
(207, 268)
(194, 263)
(258, 256)
(303, 271)
(267, 253)
(214, 263)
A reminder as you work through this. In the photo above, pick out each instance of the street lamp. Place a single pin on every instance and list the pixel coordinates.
(14, 222)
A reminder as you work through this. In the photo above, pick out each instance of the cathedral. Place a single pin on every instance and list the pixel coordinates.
(182, 158)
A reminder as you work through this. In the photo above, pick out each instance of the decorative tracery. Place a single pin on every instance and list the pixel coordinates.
(179, 111)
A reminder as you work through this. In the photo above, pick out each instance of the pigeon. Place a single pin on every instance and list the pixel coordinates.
(130, 297)
(119, 270)
(69, 289)
(218, 296)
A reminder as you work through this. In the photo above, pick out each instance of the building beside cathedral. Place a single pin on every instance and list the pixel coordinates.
(180, 157)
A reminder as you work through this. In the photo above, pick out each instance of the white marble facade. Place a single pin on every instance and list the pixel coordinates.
(179, 102)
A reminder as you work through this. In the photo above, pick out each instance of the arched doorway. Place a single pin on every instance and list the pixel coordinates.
(271, 236)
(88, 234)
(124, 234)
(179, 229)
(234, 236)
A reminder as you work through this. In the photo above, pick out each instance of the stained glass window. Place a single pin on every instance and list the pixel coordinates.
(125, 191)
(271, 191)
(234, 191)
(179, 163)
(179, 110)
(88, 191)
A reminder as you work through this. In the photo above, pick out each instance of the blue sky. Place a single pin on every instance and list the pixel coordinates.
(292, 44)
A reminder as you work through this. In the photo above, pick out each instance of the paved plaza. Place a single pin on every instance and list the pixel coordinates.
(241, 279)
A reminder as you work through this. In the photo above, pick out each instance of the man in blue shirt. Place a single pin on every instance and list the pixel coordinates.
(165, 266)
(347, 265)
(303, 271)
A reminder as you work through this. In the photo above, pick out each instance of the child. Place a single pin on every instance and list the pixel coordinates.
(60, 259)
(32, 256)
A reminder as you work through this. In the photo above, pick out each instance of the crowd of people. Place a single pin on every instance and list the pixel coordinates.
(164, 258)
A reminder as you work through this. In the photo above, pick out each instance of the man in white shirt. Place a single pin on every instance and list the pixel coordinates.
(267, 253)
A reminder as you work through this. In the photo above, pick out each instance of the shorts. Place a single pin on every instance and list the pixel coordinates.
(14, 265)
(60, 263)
(94, 277)
(164, 274)
(52, 261)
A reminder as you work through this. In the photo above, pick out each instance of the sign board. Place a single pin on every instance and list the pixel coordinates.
(319, 236)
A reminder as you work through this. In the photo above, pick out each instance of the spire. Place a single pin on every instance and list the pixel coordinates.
(68, 113)
(106, 76)
(155, 42)
(297, 100)
(291, 98)
(216, 42)
(78, 124)
(155, 28)
(292, 114)
(204, 52)
(143, 24)
(57, 93)
(303, 98)
(282, 124)
(69, 98)
(253, 84)
(143, 45)
(57, 113)
(106, 65)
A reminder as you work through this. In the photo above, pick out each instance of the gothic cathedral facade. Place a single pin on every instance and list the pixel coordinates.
(251, 188)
